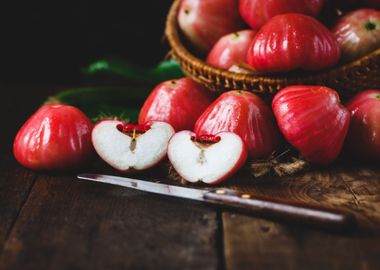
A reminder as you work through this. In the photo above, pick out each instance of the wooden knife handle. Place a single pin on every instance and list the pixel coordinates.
(281, 210)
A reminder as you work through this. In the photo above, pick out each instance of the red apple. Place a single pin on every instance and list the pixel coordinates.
(129, 147)
(209, 159)
(203, 22)
(56, 137)
(257, 12)
(293, 41)
(177, 102)
(231, 49)
(313, 121)
(358, 33)
(245, 114)
(363, 139)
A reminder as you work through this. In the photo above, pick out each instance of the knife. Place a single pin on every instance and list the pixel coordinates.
(274, 209)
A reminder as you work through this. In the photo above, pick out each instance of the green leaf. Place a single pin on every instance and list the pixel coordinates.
(163, 71)
(99, 102)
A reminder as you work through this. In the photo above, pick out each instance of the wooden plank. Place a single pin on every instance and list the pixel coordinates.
(71, 224)
(15, 185)
(252, 243)
(259, 244)
(355, 188)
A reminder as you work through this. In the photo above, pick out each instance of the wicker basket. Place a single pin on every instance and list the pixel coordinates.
(346, 79)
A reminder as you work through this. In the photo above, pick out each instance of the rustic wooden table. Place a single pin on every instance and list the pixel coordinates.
(52, 221)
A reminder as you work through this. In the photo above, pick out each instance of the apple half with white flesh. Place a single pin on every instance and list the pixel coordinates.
(208, 158)
(128, 147)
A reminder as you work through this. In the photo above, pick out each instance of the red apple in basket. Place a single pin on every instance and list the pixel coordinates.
(257, 12)
(177, 102)
(313, 121)
(56, 137)
(231, 49)
(128, 147)
(203, 22)
(245, 114)
(363, 139)
(293, 41)
(358, 33)
(210, 159)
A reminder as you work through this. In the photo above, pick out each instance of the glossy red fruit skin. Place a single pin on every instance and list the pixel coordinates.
(245, 114)
(56, 137)
(312, 120)
(231, 49)
(203, 22)
(293, 41)
(257, 12)
(363, 139)
(358, 33)
(177, 102)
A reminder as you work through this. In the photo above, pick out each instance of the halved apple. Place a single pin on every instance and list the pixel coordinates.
(131, 147)
(209, 159)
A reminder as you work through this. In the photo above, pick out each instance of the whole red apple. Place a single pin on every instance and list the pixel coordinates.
(231, 49)
(363, 139)
(56, 137)
(203, 22)
(290, 42)
(358, 33)
(177, 102)
(313, 121)
(257, 12)
(245, 114)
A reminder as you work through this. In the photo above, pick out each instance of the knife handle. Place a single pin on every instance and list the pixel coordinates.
(281, 210)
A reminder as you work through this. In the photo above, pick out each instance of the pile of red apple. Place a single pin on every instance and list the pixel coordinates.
(275, 36)
(208, 138)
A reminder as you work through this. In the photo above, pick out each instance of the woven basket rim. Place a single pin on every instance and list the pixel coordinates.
(180, 51)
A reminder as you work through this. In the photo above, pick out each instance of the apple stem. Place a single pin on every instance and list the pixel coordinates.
(370, 26)
(236, 35)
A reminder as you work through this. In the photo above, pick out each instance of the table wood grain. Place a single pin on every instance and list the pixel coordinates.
(53, 221)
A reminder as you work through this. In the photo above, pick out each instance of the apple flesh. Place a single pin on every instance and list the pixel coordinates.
(257, 12)
(177, 102)
(209, 159)
(131, 147)
(203, 22)
(363, 139)
(231, 49)
(358, 33)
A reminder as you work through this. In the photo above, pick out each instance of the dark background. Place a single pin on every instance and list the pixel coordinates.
(49, 41)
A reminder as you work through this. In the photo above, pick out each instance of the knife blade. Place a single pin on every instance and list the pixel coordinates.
(275, 209)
